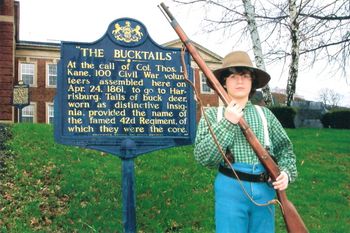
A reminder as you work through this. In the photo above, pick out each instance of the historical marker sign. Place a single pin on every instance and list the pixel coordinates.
(123, 86)
(20, 97)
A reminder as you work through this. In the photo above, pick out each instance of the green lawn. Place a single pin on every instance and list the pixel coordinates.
(47, 187)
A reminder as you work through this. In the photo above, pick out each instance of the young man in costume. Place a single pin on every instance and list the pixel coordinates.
(238, 209)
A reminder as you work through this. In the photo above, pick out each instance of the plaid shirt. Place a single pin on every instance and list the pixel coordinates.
(231, 137)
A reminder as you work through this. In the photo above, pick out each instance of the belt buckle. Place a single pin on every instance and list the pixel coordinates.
(263, 177)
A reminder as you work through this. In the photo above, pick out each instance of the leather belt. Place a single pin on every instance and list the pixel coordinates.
(263, 177)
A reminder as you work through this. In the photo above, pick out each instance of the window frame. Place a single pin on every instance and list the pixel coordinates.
(202, 81)
(47, 76)
(34, 105)
(47, 111)
(20, 72)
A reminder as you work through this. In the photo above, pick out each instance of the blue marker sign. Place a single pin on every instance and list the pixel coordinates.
(123, 86)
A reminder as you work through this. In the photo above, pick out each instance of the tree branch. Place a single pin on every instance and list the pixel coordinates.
(325, 46)
(327, 17)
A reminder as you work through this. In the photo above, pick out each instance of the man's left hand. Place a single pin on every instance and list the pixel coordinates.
(281, 182)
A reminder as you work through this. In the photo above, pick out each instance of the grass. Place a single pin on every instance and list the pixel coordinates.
(49, 187)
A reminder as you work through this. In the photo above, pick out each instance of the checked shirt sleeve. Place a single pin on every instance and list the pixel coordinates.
(206, 152)
(282, 148)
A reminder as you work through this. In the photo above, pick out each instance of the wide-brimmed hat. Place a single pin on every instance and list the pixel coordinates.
(241, 59)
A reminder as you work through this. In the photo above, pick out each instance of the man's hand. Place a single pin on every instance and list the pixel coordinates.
(233, 112)
(281, 182)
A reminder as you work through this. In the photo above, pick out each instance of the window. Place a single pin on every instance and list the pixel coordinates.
(51, 77)
(27, 73)
(49, 113)
(28, 113)
(205, 89)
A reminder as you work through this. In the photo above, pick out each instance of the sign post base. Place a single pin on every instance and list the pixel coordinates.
(128, 149)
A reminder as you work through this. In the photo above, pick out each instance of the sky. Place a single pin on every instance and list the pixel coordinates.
(87, 21)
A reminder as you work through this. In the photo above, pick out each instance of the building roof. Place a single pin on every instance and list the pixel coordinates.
(215, 58)
(37, 45)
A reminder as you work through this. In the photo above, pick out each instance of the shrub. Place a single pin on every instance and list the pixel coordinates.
(285, 115)
(5, 134)
(336, 119)
(326, 120)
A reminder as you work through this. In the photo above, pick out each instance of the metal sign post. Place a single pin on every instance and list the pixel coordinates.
(128, 149)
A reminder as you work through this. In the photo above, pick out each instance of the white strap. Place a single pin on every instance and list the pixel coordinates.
(266, 130)
(219, 114)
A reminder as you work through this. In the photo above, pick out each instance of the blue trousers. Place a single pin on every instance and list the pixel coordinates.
(234, 212)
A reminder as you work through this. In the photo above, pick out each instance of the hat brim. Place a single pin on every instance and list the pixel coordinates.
(261, 77)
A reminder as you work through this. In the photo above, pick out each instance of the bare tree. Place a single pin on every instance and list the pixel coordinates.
(295, 32)
(254, 35)
(329, 98)
(250, 25)
(319, 30)
(295, 53)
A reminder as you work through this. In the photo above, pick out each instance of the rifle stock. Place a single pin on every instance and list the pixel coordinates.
(292, 219)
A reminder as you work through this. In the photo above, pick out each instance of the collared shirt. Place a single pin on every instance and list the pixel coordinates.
(230, 137)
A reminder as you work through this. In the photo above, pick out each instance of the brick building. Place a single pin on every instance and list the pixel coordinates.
(35, 63)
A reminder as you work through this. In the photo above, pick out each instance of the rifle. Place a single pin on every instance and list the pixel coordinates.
(292, 219)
